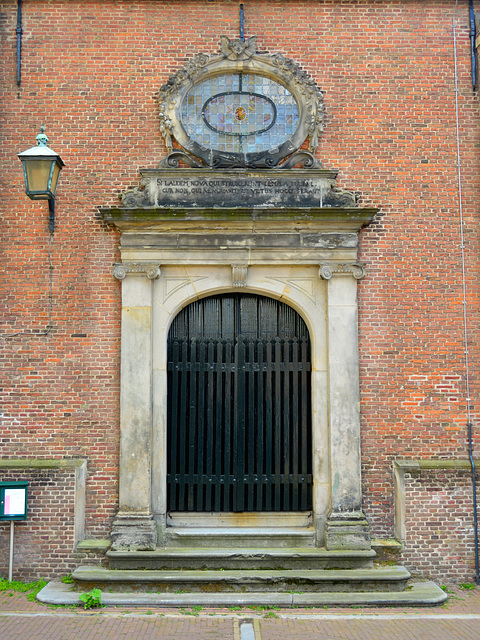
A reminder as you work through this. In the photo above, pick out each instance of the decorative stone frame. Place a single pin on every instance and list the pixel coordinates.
(305, 258)
(237, 56)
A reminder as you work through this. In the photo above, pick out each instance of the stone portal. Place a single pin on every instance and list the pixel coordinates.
(254, 212)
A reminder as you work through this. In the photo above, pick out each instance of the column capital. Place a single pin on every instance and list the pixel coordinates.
(329, 269)
(149, 269)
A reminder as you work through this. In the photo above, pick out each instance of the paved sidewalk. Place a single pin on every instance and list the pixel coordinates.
(458, 619)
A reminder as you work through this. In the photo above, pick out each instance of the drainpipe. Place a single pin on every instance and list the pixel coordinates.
(242, 35)
(473, 53)
(19, 32)
(475, 518)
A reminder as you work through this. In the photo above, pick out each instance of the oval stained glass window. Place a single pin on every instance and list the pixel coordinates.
(239, 113)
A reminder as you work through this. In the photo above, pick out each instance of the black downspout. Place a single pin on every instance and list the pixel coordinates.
(474, 481)
(473, 55)
(242, 36)
(19, 42)
(473, 35)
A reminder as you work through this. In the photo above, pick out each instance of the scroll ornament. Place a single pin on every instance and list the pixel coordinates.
(123, 269)
(355, 269)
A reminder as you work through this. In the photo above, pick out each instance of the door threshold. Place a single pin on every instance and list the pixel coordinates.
(244, 519)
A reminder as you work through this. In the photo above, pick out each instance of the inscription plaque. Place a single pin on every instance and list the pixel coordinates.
(227, 189)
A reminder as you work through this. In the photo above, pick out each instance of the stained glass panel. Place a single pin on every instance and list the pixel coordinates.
(239, 113)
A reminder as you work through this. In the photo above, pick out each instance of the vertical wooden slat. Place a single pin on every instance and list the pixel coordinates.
(306, 450)
(251, 431)
(286, 450)
(277, 425)
(211, 376)
(173, 378)
(268, 425)
(239, 433)
(182, 427)
(201, 427)
(295, 391)
(218, 398)
(192, 415)
(228, 475)
(259, 444)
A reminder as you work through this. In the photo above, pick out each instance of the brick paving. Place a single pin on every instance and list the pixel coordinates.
(458, 619)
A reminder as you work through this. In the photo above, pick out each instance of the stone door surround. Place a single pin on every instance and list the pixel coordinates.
(304, 256)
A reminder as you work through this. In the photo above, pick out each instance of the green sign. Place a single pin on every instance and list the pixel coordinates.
(13, 500)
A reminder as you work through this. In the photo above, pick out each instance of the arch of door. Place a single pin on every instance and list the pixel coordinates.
(239, 407)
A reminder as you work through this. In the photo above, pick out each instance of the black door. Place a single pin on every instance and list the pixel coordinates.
(239, 408)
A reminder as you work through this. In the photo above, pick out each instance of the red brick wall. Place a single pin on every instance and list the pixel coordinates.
(90, 72)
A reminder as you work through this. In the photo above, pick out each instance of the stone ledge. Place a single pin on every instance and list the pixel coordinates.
(102, 545)
(423, 594)
(340, 218)
(433, 463)
(42, 463)
(387, 550)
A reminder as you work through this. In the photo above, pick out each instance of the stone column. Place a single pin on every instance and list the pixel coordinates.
(134, 527)
(347, 527)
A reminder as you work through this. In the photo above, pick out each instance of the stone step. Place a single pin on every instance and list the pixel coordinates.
(240, 537)
(265, 519)
(247, 558)
(421, 594)
(287, 580)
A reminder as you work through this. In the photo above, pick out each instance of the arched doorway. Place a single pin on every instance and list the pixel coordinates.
(239, 407)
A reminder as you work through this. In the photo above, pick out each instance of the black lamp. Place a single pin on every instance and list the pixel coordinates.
(41, 168)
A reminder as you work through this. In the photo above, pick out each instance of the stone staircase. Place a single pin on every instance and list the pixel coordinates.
(219, 566)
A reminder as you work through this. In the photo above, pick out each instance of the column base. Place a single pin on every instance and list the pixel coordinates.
(347, 530)
(134, 532)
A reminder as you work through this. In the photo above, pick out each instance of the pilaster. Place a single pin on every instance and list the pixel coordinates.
(347, 527)
(134, 527)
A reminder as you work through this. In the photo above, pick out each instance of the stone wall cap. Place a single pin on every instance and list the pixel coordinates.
(42, 463)
(124, 217)
(434, 463)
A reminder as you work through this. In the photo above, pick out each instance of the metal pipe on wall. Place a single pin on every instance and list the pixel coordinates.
(473, 51)
(464, 304)
(19, 32)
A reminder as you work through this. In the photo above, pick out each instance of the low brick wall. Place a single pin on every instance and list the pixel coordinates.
(44, 544)
(438, 523)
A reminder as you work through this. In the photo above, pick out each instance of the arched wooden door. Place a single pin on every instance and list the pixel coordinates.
(239, 407)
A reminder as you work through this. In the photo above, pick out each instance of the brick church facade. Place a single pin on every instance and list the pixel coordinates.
(400, 130)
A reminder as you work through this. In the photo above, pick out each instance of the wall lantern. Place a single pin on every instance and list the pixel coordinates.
(41, 168)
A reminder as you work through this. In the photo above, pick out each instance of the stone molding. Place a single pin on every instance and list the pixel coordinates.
(355, 269)
(123, 269)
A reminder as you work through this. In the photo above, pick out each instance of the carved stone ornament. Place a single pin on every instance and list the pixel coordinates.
(149, 269)
(239, 275)
(240, 108)
(354, 269)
